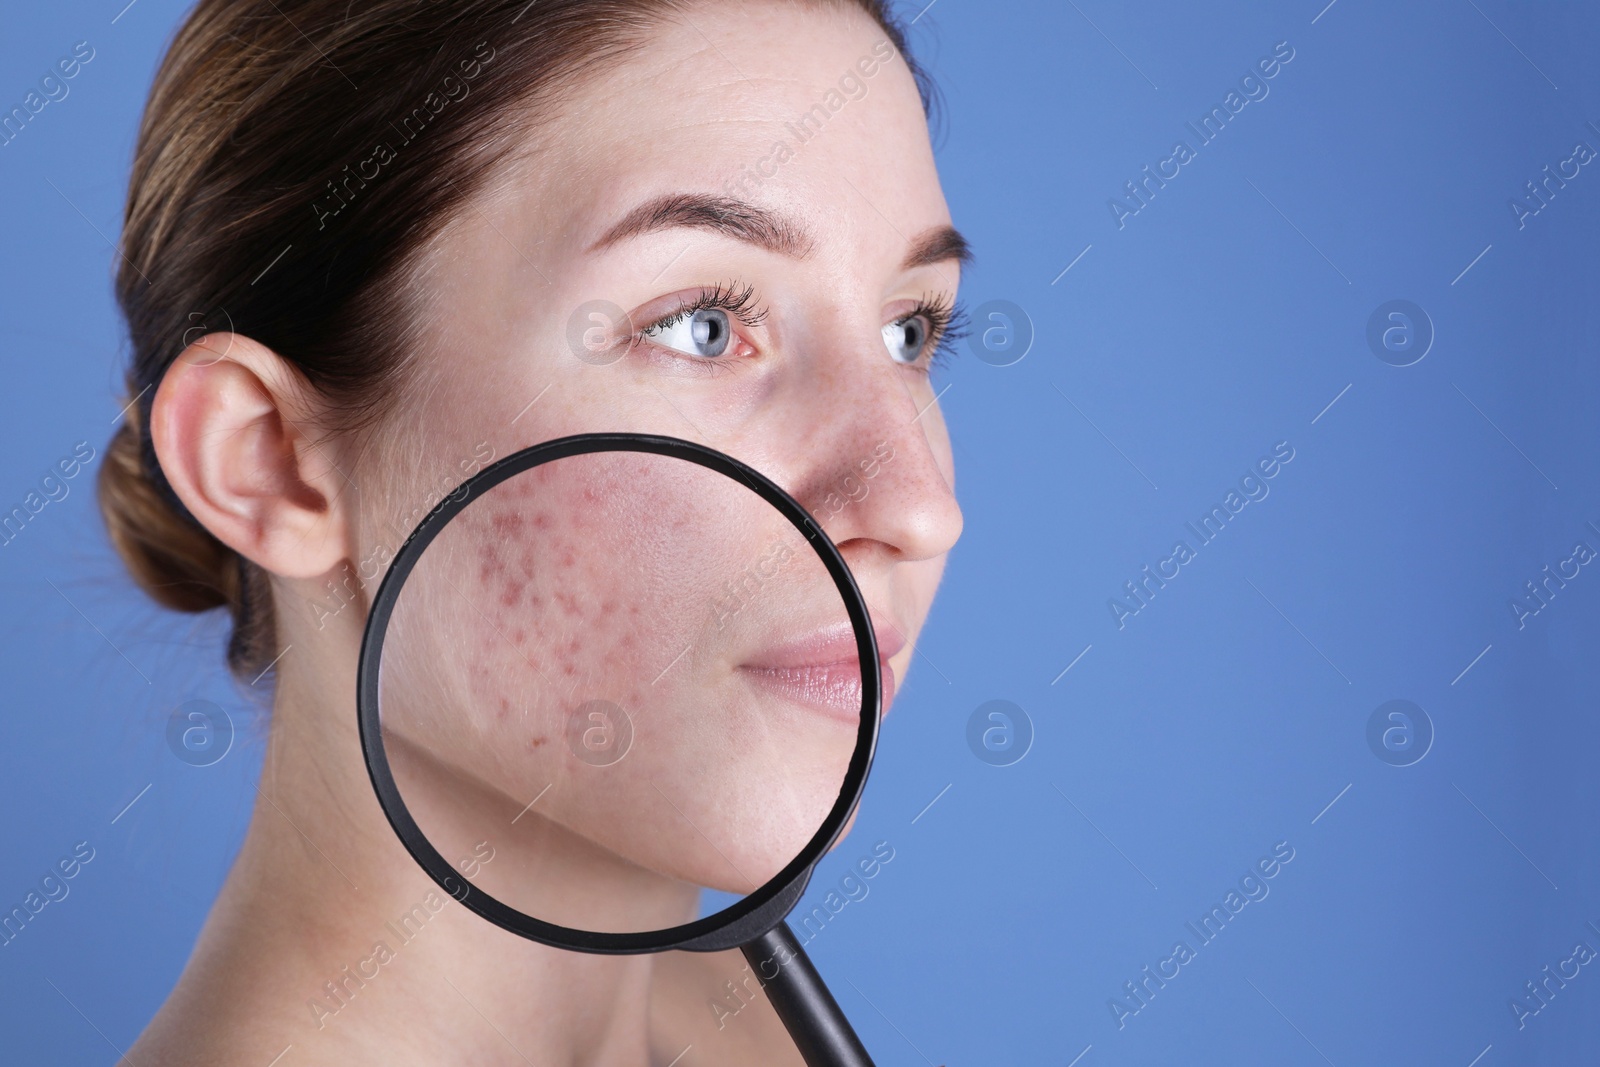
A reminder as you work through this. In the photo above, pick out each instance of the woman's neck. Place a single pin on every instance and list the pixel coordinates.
(329, 941)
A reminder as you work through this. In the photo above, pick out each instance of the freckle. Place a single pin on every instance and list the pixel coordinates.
(505, 708)
(537, 741)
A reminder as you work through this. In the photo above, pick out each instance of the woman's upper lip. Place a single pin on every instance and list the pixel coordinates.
(830, 644)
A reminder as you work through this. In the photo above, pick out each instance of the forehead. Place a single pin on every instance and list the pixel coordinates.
(804, 107)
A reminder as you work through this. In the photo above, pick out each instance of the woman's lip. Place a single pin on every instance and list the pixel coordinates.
(832, 644)
(832, 688)
(822, 669)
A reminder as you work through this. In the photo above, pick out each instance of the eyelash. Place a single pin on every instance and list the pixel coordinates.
(947, 324)
(947, 317)
(738, 301)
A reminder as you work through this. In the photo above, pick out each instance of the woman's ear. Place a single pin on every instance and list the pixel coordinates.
(236, 429)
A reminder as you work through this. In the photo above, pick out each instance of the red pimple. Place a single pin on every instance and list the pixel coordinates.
(507, 523)
(493, 563)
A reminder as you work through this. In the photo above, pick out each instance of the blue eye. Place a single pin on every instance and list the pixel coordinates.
(704, 333)
(907, 338)
(925, 336)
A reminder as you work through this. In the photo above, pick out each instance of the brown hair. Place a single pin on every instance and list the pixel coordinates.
(294, 157)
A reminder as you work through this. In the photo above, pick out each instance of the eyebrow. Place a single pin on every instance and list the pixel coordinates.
(935, 245)
(764, 228)
(720, 214)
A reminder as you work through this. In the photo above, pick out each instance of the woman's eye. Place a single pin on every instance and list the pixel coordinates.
(704, 333)
(907, 338)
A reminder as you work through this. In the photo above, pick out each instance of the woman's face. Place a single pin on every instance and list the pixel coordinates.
(763, 173)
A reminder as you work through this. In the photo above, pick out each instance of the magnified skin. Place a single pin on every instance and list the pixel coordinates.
(595, 588)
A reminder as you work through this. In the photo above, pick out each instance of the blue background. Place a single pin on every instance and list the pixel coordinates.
(1221, 719)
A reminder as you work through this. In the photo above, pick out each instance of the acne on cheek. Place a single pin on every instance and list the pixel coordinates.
(583, 573)
(506, 529)
(547, 575)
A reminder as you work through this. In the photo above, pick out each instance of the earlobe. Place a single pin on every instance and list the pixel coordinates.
(236, 428)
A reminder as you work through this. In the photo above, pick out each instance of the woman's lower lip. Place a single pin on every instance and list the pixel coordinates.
(832, 688)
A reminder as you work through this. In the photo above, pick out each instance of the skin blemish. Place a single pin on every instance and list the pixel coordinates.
(508, 524)
(492, 562)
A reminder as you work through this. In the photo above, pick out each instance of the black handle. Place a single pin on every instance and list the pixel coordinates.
(820, 1030)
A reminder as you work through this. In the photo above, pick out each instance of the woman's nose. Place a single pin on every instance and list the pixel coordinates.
(881, 469)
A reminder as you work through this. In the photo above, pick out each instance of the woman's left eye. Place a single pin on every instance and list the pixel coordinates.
(704, 333)
(907, 338)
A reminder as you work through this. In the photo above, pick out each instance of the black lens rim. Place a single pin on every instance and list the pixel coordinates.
(733, 926)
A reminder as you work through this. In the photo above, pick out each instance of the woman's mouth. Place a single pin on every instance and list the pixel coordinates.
(823, 670)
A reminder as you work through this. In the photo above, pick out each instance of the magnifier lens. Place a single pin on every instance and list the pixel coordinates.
(614, 682)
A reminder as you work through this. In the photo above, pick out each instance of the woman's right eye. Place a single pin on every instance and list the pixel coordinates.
(704, 333)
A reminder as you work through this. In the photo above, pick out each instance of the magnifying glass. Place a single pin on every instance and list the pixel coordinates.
(619, 693)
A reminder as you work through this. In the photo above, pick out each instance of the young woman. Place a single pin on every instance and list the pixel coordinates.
(359, 241)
